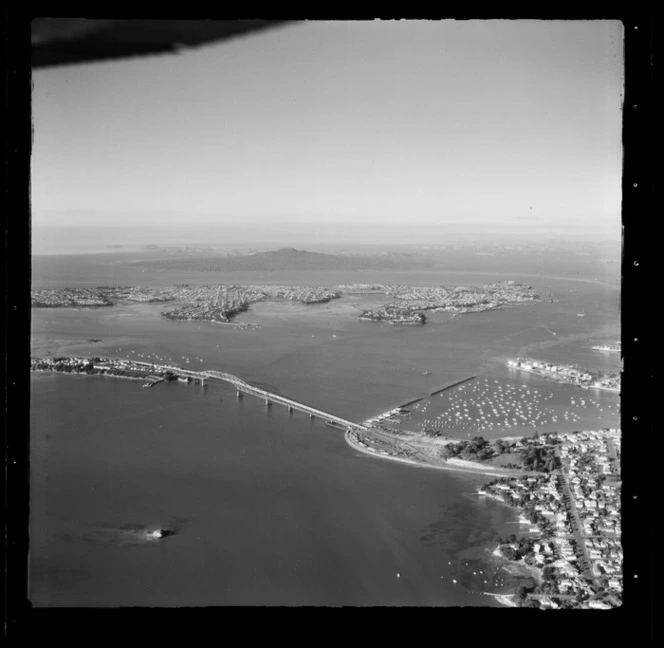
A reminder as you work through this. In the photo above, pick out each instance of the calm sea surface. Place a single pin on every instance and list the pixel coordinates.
(271, 508)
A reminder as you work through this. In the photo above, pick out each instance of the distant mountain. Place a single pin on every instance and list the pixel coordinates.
(291, 259)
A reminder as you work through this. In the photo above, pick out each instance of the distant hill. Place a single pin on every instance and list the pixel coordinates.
(291, 259)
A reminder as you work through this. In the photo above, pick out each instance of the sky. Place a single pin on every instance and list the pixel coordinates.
(357, 129)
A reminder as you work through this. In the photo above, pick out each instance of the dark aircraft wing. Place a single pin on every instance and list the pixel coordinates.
(63, 41)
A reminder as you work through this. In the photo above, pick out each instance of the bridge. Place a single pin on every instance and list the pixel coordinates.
(243, 387)
(270, 397)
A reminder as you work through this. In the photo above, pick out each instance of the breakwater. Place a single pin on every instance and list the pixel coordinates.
(412, 402)
(454, 384)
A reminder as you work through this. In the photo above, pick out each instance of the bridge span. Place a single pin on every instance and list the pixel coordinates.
(270, 397)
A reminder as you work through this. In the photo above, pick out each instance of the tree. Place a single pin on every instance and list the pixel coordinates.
(520, 595)
(447, 451)
(501, 446)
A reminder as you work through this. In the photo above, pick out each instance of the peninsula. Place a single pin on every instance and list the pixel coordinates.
(412, 301)
(213, 303)
(568, 374)
(222, 302)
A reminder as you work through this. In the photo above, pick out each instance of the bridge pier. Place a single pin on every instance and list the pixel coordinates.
(311, 415)
(267, 402)
(239, 394)
(290, 408)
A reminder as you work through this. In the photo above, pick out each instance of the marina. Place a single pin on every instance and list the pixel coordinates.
(494, 407)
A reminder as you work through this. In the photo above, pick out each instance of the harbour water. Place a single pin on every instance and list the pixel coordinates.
(271, 508)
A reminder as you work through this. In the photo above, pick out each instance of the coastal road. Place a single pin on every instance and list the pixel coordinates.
(582, 551)
(613, 456)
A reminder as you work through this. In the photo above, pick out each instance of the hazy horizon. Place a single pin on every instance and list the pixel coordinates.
(95, 239)
(350, 132)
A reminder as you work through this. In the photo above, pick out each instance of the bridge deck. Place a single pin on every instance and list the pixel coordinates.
(241, 385)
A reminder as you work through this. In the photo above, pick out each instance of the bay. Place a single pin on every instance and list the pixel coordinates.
(269, 508)
(272, 508)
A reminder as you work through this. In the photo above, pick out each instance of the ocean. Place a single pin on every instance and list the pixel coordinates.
(272, 508)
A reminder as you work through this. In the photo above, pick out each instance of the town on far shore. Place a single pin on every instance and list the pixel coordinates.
(221, 303)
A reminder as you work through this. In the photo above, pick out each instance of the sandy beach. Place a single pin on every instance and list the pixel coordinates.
(504, 599)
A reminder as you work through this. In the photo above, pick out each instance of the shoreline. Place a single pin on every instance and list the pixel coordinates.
(51, 372)
(468, 469)
(354, 435)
